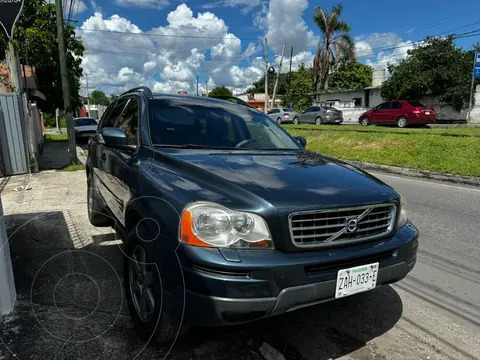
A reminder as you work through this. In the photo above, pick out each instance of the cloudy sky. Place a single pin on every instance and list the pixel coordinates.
(166, 44)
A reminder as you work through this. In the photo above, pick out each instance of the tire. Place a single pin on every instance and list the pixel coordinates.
(402, 122)
(96, 210)
(364, 121)
(156, 325)
(279, 120)
(295, 121)
(318, 121)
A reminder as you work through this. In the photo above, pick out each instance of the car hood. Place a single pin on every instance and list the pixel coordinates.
(284, 180)
(86, 128)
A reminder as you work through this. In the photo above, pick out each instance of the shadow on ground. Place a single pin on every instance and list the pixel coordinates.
(71, 306)
(54, 156)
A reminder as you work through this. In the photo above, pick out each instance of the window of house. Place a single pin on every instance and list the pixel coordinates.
(358, 102)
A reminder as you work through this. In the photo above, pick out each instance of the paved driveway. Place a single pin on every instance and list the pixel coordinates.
(71, 306)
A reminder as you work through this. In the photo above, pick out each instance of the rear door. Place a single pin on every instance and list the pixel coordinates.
(396, 111)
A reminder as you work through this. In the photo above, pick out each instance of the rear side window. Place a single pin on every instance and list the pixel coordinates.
(415, 104)
(385, 106)
(397, 105)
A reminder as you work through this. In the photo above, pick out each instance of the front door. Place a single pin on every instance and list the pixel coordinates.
(382, 114)
(118, 169)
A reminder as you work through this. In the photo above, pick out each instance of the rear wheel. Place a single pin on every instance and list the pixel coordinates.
(318, 121)
(148, 306)
(279, 120)
(365, 121)
(295, 121)
(402, 122)
(96, 210)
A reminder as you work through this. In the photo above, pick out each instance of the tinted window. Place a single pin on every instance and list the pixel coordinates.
(286, 110)
(310, 109)
(415, 104)
(274, 111)
(128, 121)
(115, 113)
(384, 106)
(397, 105)
(181, 122)
(85, 122)
(330, 108)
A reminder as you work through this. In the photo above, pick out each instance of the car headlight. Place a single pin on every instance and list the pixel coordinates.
(402, 216)
(211, 225)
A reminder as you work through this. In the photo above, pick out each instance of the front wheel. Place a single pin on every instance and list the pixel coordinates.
(364, 121)
(318, 121)
(295, 121)
(402, 122)
(143, 286)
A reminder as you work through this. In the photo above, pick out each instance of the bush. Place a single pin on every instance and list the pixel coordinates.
(49, 121)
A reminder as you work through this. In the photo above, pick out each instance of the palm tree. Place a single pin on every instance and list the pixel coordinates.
(336, 44)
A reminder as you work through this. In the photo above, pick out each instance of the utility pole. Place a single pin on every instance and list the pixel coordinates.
(197, 85)
(88, 96)
(278, 76)
(472, 88)
(65, 83)
(266, 76)
(290, 71)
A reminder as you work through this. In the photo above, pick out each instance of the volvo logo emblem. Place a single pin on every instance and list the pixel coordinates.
(351, 224)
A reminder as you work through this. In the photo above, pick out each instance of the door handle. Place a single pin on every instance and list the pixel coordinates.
(104, 157)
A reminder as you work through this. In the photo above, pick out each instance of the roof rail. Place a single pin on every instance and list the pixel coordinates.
(143, 89)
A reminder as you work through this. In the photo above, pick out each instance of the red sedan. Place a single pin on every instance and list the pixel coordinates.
(399, 112)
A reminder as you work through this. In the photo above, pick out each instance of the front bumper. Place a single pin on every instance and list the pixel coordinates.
(256, 284)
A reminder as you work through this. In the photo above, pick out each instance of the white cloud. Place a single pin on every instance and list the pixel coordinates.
(286, 25)
(119, 55)
(305, 57)
(151, 4)
(260, 17)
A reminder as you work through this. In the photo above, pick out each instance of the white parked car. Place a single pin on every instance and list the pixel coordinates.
(281, 115)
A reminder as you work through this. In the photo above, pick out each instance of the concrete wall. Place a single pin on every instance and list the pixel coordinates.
(7, 285)
(346, 99)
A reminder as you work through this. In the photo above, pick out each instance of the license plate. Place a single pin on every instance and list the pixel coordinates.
(427, 112)
(356, 279)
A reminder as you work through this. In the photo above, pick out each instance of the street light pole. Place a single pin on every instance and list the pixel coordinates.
(266, 76)
(88, 96)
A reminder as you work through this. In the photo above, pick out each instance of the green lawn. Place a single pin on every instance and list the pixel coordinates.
(73, 168)
(56, 137)
(425, 149)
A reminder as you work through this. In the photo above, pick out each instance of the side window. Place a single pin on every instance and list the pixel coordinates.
(308, 109)
(384, 106)
(114, 115)
(128, 121)
(397, 105)
(106, 115)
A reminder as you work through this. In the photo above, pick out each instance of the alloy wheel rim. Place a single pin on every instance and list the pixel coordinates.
(401, 122)
(140, 281)
(365, 122)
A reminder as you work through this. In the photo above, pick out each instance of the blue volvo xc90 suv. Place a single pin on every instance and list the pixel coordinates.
(226, 218)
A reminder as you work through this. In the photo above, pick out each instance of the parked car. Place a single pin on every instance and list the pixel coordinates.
(281, 115)
(319, 115)
(84, 127)
(221, 226)
(402, 113)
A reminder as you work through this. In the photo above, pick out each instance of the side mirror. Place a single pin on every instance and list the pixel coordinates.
(115, 138)
(301, 140)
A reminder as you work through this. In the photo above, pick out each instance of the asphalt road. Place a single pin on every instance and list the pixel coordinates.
(432, 314)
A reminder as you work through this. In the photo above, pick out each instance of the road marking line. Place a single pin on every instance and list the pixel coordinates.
(425, 182)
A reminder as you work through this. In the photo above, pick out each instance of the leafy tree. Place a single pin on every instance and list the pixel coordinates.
(98, 97)
(35, 38)
(351, 75)
(336, 44)
(437, 68)
(299, 96)
(259, 86)
(220, 91)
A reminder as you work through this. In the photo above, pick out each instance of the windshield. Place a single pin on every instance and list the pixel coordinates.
(286, 110)
(85, 122)
(190, 122)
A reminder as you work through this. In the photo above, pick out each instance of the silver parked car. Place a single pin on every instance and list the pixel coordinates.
(319, 115)
(281, 115)
(85, 127)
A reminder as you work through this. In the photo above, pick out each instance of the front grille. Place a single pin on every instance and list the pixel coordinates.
(340, 226)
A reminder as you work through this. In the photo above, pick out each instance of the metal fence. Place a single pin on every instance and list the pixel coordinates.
(13, 157)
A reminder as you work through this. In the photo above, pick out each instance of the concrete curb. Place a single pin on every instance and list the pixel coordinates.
(423, 174)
